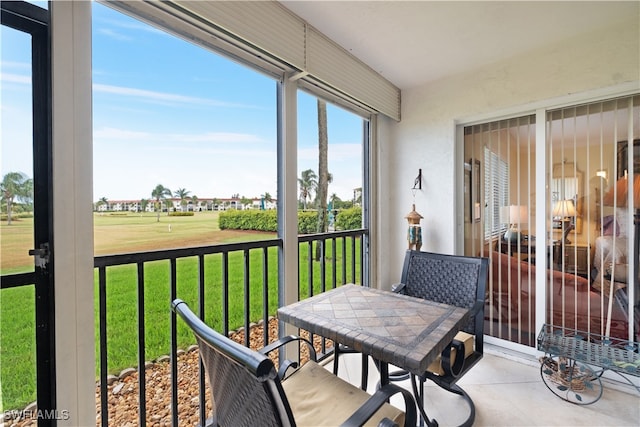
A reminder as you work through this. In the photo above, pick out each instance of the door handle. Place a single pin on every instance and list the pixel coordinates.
(41, 255)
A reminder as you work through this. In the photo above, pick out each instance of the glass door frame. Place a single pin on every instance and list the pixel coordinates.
(34, 20)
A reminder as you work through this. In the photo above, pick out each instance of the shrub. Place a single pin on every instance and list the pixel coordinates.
(16, 216)
(307, 222)
(181, 214)
(248, 220)
(264, 221)
(349, 219)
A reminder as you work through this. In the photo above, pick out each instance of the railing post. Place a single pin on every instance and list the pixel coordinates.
(174, 347)
(142, 413)
(102, 313)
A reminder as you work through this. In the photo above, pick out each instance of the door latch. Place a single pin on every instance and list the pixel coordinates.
(41, 255)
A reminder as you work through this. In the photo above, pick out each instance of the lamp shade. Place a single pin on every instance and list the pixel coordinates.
(564, 208)
(514, 214)
(617, 195)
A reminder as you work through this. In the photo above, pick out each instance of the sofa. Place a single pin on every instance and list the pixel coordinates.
(574, 303)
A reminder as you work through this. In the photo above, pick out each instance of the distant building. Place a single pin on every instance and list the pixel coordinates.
(174, 205)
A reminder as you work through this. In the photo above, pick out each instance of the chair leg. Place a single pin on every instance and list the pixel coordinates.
(419, 396)
(453, 388)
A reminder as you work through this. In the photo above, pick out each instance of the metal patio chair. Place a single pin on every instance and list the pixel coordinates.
(246, 389)
(455, 280)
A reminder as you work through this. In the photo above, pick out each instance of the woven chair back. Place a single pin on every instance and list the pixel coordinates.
(244, 384)
(448, 279)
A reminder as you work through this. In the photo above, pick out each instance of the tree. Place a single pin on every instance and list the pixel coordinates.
(194, 202)
(143, 204)
(308, 182)
(323, 172)
(182, 194)
(103, 201)
(160, 193)
(15, 186)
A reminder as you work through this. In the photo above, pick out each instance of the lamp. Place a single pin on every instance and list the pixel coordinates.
(565, 209)
(513, 215)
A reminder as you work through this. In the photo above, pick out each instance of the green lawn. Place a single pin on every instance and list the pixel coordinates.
(137, 233)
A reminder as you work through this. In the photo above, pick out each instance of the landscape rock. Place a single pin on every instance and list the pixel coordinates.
(123, 403)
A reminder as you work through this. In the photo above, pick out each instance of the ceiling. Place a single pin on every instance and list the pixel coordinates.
(415, 42)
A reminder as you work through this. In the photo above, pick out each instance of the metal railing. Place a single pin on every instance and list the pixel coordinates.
(340, 254)
(325, 261)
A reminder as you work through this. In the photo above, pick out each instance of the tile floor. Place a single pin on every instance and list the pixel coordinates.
(507, 391)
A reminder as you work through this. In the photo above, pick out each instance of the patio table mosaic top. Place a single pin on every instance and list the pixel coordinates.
(401, 330)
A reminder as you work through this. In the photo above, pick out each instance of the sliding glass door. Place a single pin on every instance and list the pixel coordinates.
(589, 243)
(591, 215)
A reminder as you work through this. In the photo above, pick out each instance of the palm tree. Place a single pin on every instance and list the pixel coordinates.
(160, 193)
(194, 201)
(15, 185)
(102, 201)
(182, 194)
(323, 172)
(308, 182)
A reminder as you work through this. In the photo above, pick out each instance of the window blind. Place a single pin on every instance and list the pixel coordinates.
(266, 35)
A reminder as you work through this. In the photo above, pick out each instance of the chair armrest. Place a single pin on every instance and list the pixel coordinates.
(286, 364)
(368, 408)
(398, 288)
(286, 340)
(453, 369)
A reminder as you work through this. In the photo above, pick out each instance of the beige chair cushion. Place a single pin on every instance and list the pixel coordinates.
(467, 340)
(319, 398)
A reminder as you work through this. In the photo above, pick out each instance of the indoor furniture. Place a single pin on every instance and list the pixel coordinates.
(572, 258)
(611, 274)
(523, 247)
(246, 389)
(572, 301)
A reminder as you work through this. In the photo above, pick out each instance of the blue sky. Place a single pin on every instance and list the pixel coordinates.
(168, 112)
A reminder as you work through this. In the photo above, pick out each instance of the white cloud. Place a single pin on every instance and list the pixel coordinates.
(17, 64)
(150, 95)
(215, 137)
(16, 78)
(110, 134)
(121, 134)
(114, 34)
(134, 26)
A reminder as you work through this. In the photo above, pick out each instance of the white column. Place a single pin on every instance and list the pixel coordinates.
(72, 211)
(288, 195)
(544, 244)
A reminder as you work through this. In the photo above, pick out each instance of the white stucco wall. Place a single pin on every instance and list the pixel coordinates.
(605, 63)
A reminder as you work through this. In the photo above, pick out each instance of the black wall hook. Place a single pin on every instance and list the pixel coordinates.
(417, 183)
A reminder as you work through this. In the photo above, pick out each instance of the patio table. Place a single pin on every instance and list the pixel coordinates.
(395, 329)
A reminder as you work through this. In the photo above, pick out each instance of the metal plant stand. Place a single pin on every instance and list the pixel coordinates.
(576, 360)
